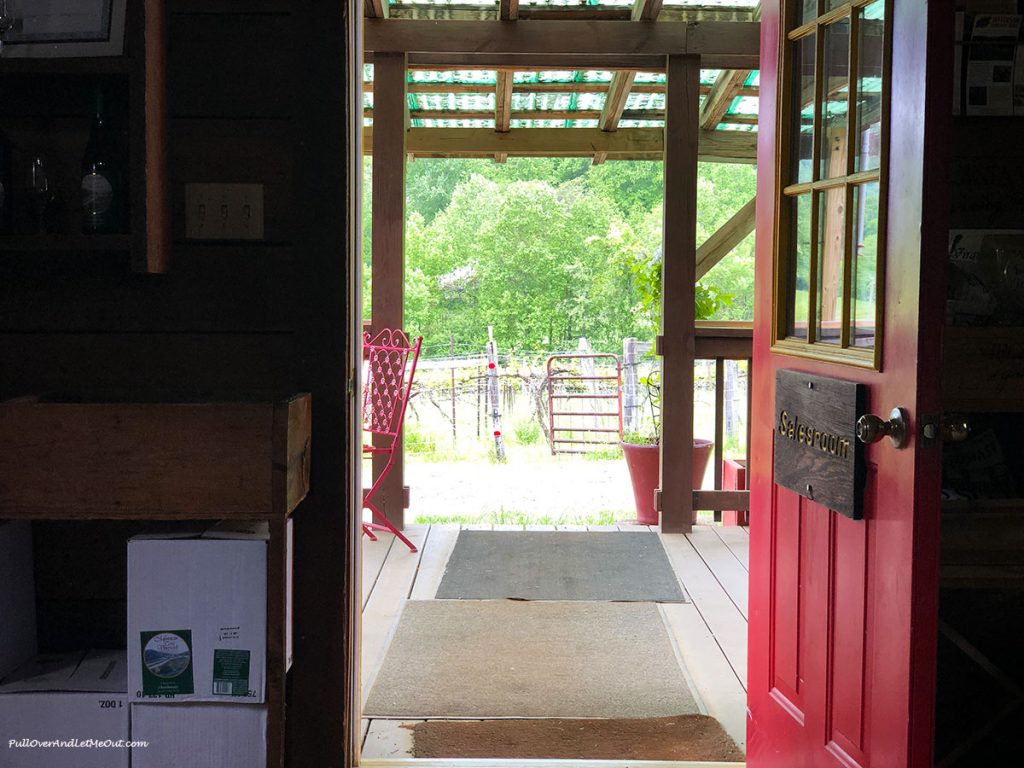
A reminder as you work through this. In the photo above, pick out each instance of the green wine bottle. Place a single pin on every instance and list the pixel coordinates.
(102, 177)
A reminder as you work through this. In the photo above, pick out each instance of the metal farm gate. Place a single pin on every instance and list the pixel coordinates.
(584, 402)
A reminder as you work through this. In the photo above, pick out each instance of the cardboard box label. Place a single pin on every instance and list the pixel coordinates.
(167, 662)
(231, 673)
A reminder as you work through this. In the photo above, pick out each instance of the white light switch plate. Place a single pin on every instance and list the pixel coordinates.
(224, 211)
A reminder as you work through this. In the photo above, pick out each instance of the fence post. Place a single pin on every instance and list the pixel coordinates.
(630, 382)
(492, 391)
(451, 352)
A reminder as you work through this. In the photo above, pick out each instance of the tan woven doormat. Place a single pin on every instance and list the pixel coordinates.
(685, 737)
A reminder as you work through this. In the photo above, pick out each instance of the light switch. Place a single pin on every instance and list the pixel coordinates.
(224, 211)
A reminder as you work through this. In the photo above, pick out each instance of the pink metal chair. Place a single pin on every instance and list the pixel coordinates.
(385, 397)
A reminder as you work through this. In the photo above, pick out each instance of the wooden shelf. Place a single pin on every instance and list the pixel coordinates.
(160, 461)
(99, 65)
(983, 369)
(65, 242)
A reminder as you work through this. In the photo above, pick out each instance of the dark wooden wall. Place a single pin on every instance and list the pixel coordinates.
(257, 94)
(987, 173)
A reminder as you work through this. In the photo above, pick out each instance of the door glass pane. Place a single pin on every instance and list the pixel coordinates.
(799, 266)
(834, 131)
(808, 11)
(832, 231)
(870, 47)
(803, 109)
(864, 281)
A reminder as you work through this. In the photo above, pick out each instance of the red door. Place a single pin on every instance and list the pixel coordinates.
(850, 257)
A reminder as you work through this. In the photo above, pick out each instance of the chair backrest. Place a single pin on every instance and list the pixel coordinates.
(386, 389)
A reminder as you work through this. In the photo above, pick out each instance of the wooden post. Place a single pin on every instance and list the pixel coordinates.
(390, 123)
(492, 394)
(630, 380)
(678, 270)
(451, 353)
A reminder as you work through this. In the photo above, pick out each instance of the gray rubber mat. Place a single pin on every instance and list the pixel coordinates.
(560, 565)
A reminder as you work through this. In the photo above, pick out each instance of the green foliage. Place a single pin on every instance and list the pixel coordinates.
(526, 431)
(504, 516)
(549, 249)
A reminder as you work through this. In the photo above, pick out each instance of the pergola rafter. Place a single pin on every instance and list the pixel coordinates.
(718, 101)
(622, 82)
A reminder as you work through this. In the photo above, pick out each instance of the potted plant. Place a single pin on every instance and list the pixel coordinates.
(643, 456)
(643, 450)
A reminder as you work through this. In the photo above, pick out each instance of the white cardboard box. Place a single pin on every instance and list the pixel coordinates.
(197, 616)
(66, 711)
(17, 596)
(199, 735)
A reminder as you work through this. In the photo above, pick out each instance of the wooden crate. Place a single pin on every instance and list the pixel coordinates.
(153, 460)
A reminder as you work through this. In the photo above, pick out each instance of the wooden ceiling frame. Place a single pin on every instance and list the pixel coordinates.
(593, 44)
(624, 47)
(625, 143)
(508, 11)
(622, 82)
(719, 99)
(376, 9)
(555, 87)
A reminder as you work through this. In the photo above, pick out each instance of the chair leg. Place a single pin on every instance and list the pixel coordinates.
(368, 531)
(386, 525)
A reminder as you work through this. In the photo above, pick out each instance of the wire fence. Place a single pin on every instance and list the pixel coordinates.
(460, 405)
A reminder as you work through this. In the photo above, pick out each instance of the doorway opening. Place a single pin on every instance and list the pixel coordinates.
(575, 277)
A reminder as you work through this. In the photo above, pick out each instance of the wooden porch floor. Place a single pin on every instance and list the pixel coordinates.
(710, 632)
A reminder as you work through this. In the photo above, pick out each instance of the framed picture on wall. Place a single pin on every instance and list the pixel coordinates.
(61, 28)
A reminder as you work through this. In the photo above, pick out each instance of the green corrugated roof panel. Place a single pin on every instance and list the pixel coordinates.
(559, 101)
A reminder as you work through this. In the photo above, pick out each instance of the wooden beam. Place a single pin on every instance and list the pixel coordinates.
(728, 236)
(376, 9)
(508, 10)
(470, 12)
(388, 239)
(622, 82)
(615, 102)
(503, 102)
(525, 62)
(728, 45)
(645, 10)
(636, 143)
(678, 263)
(718, 101)
(551, 114)
(574, 87)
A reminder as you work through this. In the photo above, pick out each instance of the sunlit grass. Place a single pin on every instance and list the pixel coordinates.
(504, 516)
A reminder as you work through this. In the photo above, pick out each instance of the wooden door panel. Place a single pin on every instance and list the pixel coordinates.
(785, 669)
(848, 639)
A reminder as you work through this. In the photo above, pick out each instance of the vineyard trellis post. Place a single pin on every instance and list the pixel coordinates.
(451, 353)
(630, 382)
(493, 394)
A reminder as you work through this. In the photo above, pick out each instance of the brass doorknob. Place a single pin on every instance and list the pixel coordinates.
(871, 428)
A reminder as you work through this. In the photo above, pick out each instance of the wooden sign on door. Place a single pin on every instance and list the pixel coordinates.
(817, 453)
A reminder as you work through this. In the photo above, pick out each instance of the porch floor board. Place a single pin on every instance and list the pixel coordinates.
(710, 632)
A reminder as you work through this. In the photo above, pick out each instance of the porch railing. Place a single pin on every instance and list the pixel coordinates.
(722, 341)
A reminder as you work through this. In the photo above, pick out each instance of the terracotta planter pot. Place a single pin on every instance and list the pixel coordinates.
(642, 461)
